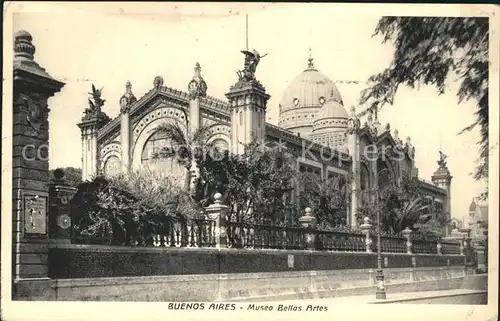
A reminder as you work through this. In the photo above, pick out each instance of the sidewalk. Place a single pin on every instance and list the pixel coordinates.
(391, 297)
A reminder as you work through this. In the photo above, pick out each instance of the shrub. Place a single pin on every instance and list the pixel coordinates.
(129, 209)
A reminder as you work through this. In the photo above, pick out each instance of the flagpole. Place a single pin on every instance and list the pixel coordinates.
(247, 31)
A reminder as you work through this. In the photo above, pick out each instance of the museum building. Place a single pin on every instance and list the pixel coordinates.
(313, 122)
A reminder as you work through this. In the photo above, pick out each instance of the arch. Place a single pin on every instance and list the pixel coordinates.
(220, 135)
(169, 166)
(385, 173)
(111, 166)
(176, 115)
(145, 134)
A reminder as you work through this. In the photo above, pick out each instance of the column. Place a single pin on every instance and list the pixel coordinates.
(33, 86)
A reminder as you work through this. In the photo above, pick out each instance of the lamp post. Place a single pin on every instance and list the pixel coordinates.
(380, 294)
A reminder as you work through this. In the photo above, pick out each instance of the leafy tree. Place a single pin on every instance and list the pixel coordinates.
(400, 206)
(430, 51)
(254, 185)
(327, 198)
(72, 175)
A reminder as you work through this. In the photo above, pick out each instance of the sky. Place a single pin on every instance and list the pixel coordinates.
(108, 45)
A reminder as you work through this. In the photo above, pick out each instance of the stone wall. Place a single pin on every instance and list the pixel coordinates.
(91, 261)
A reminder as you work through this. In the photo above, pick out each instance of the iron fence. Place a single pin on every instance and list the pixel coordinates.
(198, 233)
(173, 232)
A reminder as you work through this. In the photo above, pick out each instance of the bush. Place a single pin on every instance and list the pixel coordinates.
(129, 209)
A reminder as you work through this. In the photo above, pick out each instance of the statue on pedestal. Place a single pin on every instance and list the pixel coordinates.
(95, 104)
(252, 59)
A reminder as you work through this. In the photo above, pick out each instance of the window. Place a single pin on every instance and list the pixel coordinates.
(112, 166)
(156, 143)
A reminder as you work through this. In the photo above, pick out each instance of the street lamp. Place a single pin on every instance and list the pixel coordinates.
(380, 294)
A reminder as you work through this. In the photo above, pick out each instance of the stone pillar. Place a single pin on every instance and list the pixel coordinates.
(217, 212)
(92, 120)
(248, 101)
(32, 88)
(353, 127)
(366, 227)
(126, 102)
(442, 178)
(439, 248)
(197, 89)
(308, 222)
(60, 195)
(407, 234)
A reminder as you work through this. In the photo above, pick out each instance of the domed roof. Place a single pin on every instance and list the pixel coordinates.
(310, 88)
(331, 109)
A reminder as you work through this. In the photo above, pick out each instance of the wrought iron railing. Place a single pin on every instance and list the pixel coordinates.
(421, 245)
(173, 232)
(390, 243)
(340, 239)
(241, 235)
(450, 247)
(195, 233)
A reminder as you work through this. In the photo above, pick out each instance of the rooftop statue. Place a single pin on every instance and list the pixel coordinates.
(442, 159)
(95, 103)
(252, 59)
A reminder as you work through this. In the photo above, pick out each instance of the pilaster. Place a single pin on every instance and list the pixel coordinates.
(353, 127)
(126, 101)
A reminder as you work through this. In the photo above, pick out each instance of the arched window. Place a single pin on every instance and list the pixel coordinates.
(112, 166)
(365, 177)
(220, 144)
(385, 176)
(168, 165)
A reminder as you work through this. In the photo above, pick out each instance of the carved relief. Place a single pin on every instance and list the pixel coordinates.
(36, 108)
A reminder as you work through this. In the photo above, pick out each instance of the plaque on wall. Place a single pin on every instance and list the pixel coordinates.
(35, 214)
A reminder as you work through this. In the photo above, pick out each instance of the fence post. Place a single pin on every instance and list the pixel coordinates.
(439, 247)
(60, 195)
(217, 212)
(407, 234)
(366, 227)
(308, 221)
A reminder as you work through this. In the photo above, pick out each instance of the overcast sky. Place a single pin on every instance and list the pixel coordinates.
(107, 46)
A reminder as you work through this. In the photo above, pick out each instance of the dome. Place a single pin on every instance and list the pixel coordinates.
(330, 125)
(304, 97)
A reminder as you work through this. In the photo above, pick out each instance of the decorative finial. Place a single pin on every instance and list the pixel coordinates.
(308, 211)
(396, 133)
(197, 70)
(310, 65)
(128, 98)
(158, 82)
(217, 198)
(387, 127)
(197, 87)
(353, 111)
(23, 48)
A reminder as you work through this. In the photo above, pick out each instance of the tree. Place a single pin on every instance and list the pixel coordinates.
(184, 148)
(254, 185)
(72, 175)
(430, 51)
(327, 198)
(400, 206)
